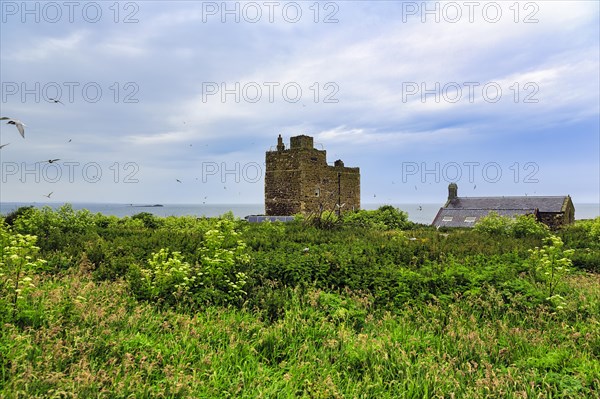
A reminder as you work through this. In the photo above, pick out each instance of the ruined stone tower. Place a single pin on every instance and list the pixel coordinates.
(298, 180)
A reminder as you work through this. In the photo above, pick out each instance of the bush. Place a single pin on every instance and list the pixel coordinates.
(150, 221)
(167, 277)
(11, 217)
(325, 220)
(45, 221)
(528, 226)
(519, 227)
(218, 276)
(385, 218)
(494, 224)
(594, 231)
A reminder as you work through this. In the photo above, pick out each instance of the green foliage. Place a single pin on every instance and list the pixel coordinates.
(552, 263)
(595, 229)
(582, 236)
(149, 220)
(292, 310)
(97, 339)
(494, 224)
(528, 226)
(519, 227)
(223, 258)
(385, 218)
(217, 277)
(324, 220)
(45, 221)
(18, 267)
(10, 218)
(167, 277)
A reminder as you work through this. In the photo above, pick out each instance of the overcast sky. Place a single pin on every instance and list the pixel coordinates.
(502, 97)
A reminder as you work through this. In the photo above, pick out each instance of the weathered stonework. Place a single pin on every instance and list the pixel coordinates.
(555, 220)
(298, 180)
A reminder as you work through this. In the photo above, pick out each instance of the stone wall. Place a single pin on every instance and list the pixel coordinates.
(555, 220)
(298, 180)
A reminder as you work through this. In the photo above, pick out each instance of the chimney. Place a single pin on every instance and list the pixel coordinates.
(452, 191)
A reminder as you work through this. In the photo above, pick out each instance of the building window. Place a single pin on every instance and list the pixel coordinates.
(447, 219)
(470, 219)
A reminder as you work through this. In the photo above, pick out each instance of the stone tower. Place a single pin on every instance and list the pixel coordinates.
(298, 180)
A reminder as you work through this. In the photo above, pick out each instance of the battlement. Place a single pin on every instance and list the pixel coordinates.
(301, 142)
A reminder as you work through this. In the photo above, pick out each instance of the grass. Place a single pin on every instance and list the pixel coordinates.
(82, 338)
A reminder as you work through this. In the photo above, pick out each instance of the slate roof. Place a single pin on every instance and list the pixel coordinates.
(543, 204)
(449, 217)
(457, 210)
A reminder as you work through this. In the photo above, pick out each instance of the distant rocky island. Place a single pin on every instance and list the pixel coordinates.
(147, 206)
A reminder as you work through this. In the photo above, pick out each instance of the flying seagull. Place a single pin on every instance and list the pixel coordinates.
(56, 101)
(178, 181)
(4, 145)
(51, 160)
(51, 192)
(17, 123)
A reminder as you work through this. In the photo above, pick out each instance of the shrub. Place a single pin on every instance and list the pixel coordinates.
(217, 277)
(494, 224)
(150, 221)
(385, 218)
(325, 220)
(167, 277)
(223, 256)
(46, 221)
(518, 227)
(11, 217)
(528, 226)
(594, 231)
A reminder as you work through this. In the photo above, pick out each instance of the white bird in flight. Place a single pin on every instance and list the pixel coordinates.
(20, 125)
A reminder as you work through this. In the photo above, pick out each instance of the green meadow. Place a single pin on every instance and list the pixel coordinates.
(368, 305)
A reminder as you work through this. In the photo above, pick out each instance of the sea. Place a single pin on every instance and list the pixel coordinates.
(419, 213)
